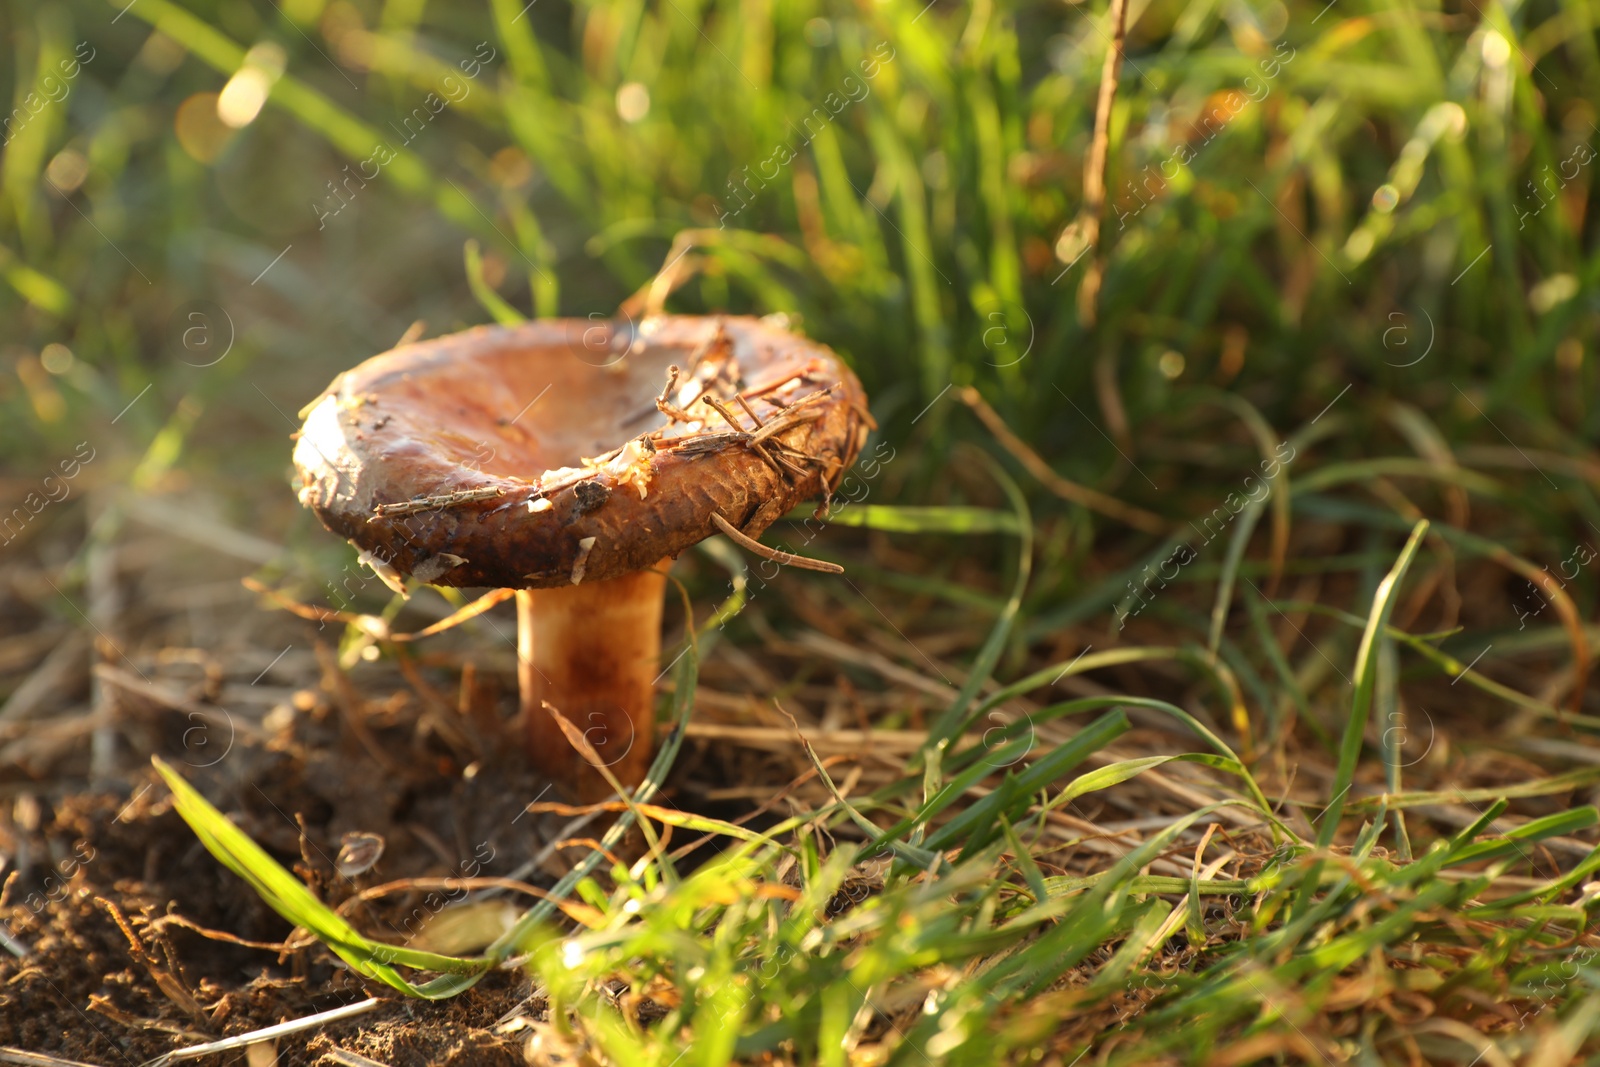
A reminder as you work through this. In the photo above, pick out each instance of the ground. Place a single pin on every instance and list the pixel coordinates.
(1211, 677)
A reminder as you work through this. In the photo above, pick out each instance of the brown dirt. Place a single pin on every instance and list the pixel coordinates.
(271, 742)
(85, 993)
(299, 752)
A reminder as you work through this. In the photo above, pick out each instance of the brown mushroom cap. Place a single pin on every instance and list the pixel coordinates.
(429, 456)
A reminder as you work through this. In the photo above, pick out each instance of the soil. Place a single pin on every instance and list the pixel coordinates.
(109, 977)
(285, 726)
(85, 992)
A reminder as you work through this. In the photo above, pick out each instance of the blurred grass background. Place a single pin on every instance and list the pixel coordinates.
(1377, 194)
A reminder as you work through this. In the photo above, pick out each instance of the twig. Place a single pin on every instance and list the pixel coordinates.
(651, 297)
(443, 500)
(722, 409)
(1093, 499)
(704, 442)
(750, 544)
(788, 420)
(748, 410)
(1094, 167)
(776, 386)
(755, 444)
(811, 398)
(55, 672)
(120, 679)
(173, 919)
(667, 407)
(36, 1059)
(350, 1059)
(793, 467)
(759, 441)
(718, 343)
(100, 1004)
(769, 458)
(305, 611)
(672, 381)
(413, 332)
(293, 1026)
(456, 618)
(677, 414)
(161, 972)
(866, 416)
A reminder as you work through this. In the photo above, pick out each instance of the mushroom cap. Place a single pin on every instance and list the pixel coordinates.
(535, 456)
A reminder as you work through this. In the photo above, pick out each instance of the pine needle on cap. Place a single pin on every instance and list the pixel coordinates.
(750, 544)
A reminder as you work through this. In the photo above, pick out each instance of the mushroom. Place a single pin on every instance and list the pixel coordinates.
(572, 461)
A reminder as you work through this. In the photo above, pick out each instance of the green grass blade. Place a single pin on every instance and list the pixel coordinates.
(974, 827)
(942, 732)
(1392, 736)
(1538, 787)
(1559, 824)
(1025, 861)
(1230, 570)
(290, 898)
(1231, 760)
(492, 302)
(1117, 773)
(927, 520)
(1366, 681)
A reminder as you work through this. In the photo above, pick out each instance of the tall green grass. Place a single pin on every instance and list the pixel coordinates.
(914, 228)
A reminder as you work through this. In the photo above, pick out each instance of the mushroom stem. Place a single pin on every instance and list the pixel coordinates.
(592, 651)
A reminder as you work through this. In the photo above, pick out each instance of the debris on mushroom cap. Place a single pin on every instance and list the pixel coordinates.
(560, 478)
(592, 494)
(428, 453)
(632, 467)
(386, 574)
(585, 546)
(434, 568)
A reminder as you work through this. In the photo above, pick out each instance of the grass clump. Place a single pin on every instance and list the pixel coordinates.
(917, 921)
